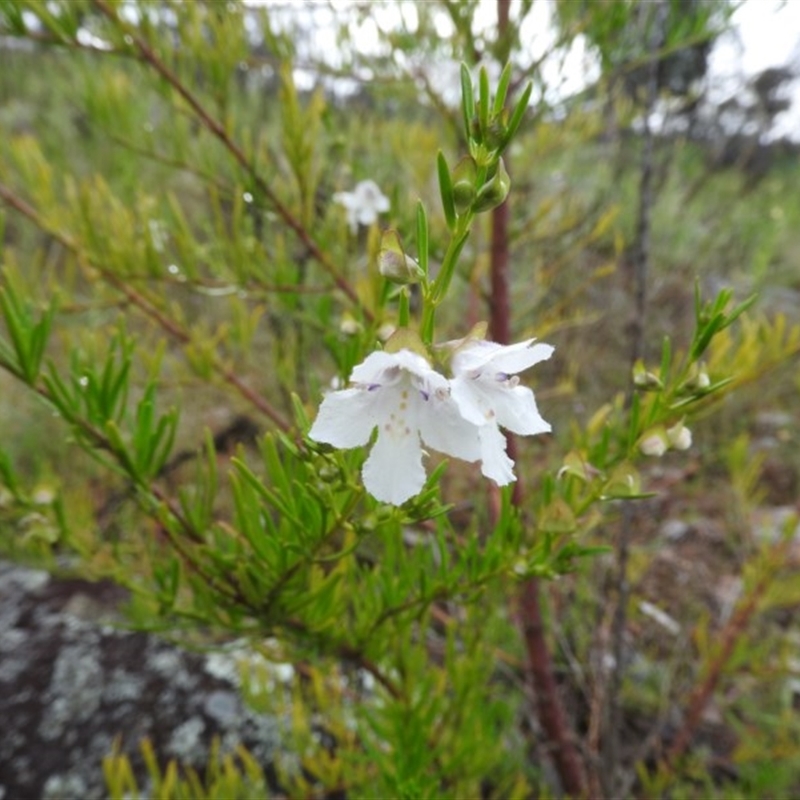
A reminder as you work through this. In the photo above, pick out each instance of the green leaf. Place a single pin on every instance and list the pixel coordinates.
(446, 189)
(28, 336)
(740, 309)
(502, 90)
(467, 100)
(517, 115)
(422, 238)
(483, 101)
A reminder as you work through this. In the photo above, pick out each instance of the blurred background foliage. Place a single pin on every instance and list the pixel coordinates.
(167, 173)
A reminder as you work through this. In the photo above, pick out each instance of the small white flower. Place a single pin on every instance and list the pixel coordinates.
(654, 444)
(679, 437)
(409, 403)
(487, 391)
(363, 204)
(349, 326)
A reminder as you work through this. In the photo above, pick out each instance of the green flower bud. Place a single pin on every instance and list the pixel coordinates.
(494, 192)
(464, 177)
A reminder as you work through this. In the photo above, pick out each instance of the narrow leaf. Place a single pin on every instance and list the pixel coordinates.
(483, 101)
(422, 238)
(502, 90)
(467, 100)
(446, 189)
(517, 115)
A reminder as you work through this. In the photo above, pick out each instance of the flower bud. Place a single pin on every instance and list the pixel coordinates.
(697, 381)
(679, 436)
(642, 379)
(654, 443)
(349, 326)
(394, 264)
(494, 192)
(464, 177)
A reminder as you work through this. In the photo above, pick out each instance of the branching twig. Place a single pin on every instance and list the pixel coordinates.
(171, 327)
(218, 130)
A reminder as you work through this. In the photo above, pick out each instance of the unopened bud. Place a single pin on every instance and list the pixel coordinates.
(679, 437)
(654, 443)
(697, 381)
(394, 264)
(349, 326)
(464, 177)
(642, 379)
(493, 193)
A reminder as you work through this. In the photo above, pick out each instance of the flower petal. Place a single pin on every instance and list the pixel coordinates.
(347, 418)
(374, 367)
(495, 461)
(471, 403)
(393, 473)
(516, 409)
(444, 428)
(493, 358)
(518, 357)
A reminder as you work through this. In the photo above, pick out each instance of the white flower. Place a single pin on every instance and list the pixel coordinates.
(654, 444)
(487, 391)
(679, 436)
(409, 403)
(363, 204)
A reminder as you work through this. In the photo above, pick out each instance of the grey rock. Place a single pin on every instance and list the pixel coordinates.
(73, 680)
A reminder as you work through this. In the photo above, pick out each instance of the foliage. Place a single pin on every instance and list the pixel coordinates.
(173, 262)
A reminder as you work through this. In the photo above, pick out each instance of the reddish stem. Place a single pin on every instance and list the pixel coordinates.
(550, 709)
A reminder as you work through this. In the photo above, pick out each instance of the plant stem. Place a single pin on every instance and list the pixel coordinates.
(439, 287)
(218, 130)
(138, 300)
(550, 709)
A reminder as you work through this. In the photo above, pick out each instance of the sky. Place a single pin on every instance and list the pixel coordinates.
(765, 33)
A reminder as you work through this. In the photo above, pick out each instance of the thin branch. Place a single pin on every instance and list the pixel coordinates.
(218, 130)
(550, 710)
(146, 307)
